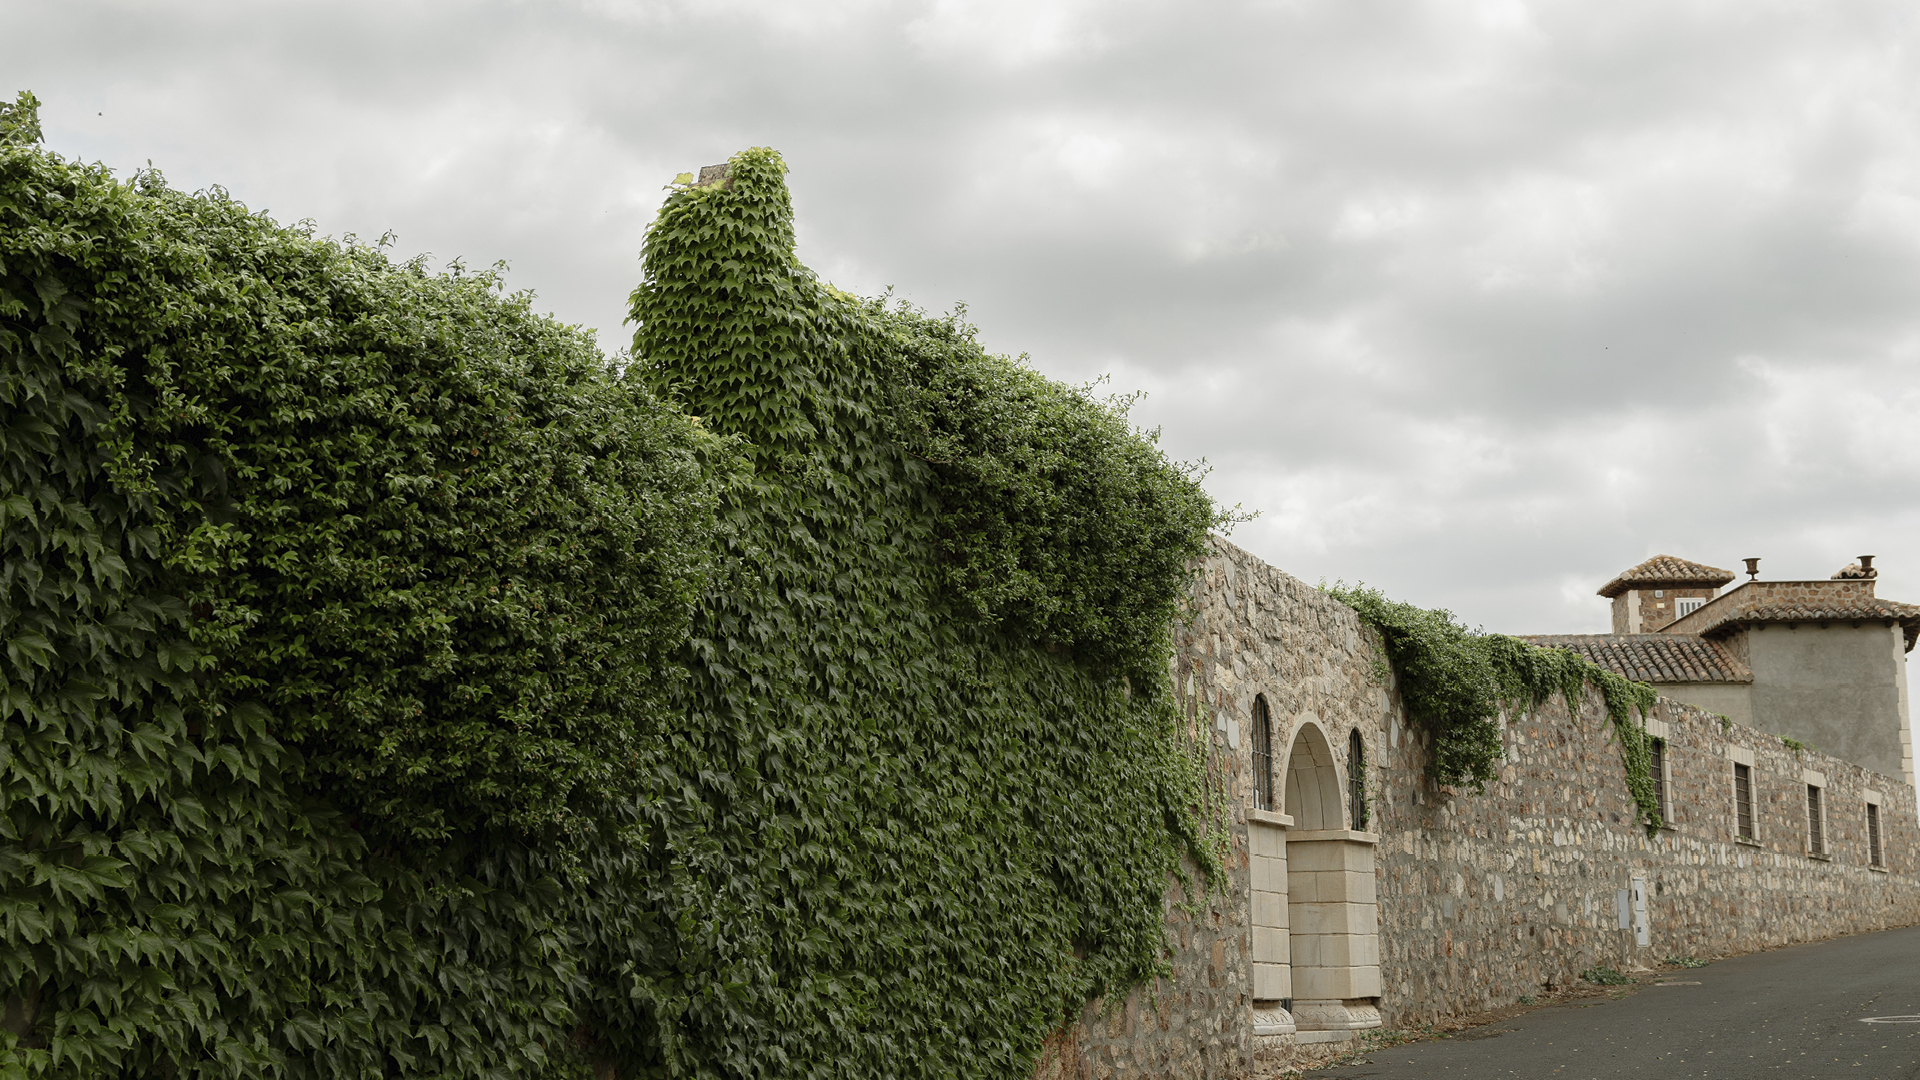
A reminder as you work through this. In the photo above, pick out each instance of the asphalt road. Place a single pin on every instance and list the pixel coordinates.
(1792, 1013)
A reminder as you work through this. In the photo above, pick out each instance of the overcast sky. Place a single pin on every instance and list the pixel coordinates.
(1477, 302)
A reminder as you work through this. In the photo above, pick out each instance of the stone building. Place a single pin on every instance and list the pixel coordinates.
(1820, 661)
(1359, 893)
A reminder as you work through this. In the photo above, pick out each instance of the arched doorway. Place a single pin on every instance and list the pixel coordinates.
(1334, 931)
(1313, 782)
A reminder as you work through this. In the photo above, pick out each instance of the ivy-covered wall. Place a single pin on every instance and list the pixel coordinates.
(337, 600)
(395, 685)
(933, 789)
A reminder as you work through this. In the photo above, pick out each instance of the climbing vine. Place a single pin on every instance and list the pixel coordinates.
(1456, 682)
(395, 685)
(935, 784)
(337, 599)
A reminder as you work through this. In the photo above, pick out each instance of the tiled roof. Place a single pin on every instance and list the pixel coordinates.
(1657, 658)
(1860, 609)
(1666, 570)
(1817, 601)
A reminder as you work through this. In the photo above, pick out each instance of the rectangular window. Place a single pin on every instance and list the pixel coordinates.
(1687, 605)
(1874, 858)
(1743, 801)
(1816, 826)
(1659, 770)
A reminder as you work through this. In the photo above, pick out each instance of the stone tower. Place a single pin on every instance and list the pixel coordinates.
(1660, 590)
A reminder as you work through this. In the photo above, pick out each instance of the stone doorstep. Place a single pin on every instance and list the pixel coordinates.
(1341, 1035)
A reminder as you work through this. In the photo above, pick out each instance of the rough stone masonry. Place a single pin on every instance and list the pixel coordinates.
(1473, 900)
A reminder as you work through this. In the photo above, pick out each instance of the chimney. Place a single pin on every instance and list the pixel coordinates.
(1866, 563)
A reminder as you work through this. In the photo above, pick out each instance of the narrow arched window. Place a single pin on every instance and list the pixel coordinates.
(1357, 781)
(1262, 756)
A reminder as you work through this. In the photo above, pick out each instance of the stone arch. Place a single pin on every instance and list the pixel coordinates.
(1316, 786)
(1333, 936)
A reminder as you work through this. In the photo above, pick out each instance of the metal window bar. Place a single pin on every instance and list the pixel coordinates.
(1262, 756)
(1873, 836)
(1743, 800)
(1816, 836)
(1357, 781)
(1659, 770)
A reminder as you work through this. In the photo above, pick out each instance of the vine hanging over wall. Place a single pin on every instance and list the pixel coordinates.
(1455, 682)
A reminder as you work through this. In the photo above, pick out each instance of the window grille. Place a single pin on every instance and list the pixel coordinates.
(1659, 770)
(1687, 605)
(1743, 800)
(1262, 756)
(1873, 836)
(1357, 781)
(1816, 835)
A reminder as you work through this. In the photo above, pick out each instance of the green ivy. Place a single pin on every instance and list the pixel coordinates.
(936, 787)
(1052, 513)
(337, 599)
(1456, 682)
(394, 686)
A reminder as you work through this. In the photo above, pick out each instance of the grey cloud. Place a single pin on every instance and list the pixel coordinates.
(1481, 302)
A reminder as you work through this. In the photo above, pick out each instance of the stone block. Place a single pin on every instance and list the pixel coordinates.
(1366, 982)
(1365, 919)
(1360, 888)
(1316, 856)
(1324, 982)
(1266, 840)
(1272, 982)
(1302, 887)
(1342, 1016)
(1269, 909)
(1270, 944)
(1347, 951)
(1332, 918)
(1269, 875)
(1330, 886)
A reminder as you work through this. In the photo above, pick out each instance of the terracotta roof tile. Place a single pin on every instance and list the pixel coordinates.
(1655, 658)
(1816, 601)
(1666, 570)
(1864, 608)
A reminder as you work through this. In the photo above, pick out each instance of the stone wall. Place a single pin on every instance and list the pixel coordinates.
(1645, 611)
(1193, 1023)
(1484, 898)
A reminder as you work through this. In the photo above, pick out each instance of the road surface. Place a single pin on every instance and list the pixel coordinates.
(1843, 1008)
